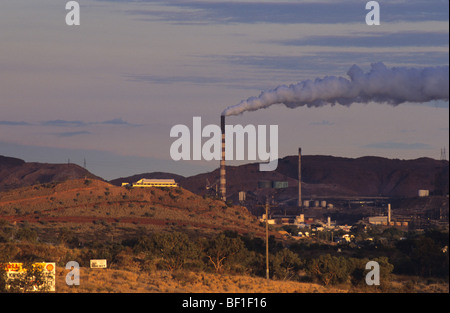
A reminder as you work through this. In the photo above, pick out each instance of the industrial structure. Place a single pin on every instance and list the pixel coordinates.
(223, 182)
(145, 183)
(299, 203)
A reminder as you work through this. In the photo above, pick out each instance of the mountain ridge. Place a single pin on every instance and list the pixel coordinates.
(16, 173)
(322, 175)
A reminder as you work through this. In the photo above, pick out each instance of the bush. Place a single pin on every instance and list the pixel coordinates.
(171, 251)
(223, 249)
(285, 265)
(332, 270)
(329, 270)
(26, 234)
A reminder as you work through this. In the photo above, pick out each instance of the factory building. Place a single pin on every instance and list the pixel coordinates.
(144, 183)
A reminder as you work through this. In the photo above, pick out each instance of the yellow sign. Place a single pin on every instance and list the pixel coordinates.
(17, 271)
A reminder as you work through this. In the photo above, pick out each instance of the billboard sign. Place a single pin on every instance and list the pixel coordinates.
(18, 271)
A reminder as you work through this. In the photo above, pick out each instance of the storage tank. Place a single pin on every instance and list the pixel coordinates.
(264, 184)
(316, 203)
(306, 203)
(280, 184)
(323, 204)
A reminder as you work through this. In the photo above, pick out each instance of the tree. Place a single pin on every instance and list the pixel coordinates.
(329, 269)
(3, 278)
(285, 264)
(221, 248)
(174, 249)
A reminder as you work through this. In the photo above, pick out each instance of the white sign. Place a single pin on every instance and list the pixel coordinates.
(98, 263)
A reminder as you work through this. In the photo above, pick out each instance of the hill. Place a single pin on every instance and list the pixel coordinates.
(332, 177)
(153, 175)
(15, 173)
(96, 211)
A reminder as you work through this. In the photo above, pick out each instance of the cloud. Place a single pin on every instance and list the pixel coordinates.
(331, 12)
(14, 123)
(64, 123)
(322, 123)
(398, 145)
(118, 121)
(72, 134)
(379, 39)
(339, 58)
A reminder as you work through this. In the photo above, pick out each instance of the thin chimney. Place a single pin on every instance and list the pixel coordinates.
(389, 214)
(300, 177)
(223, 181)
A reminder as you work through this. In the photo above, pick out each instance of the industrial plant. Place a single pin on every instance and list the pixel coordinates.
(312, 214)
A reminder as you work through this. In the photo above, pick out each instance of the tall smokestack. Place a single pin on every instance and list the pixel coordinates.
(300, 177)
(223, 181)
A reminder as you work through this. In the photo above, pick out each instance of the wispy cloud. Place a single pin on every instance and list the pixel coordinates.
(118, 121)
(222, 12)
(72, 134)
(322, 123)
(14, 123)
(64, 123)
(379, 39)
(398, 145)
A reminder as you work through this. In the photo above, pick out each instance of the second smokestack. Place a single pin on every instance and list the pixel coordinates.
(300, 177)
(223, 181)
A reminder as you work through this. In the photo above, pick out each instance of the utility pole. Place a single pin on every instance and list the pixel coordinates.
(267, 238)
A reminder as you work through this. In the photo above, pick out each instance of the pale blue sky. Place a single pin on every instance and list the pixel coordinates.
(110, 89)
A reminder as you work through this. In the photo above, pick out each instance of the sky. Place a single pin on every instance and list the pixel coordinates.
(108, 91)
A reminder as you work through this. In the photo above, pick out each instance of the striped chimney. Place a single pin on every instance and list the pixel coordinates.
(223, 181)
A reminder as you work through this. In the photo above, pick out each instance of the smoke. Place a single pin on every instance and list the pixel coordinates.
(381, 84)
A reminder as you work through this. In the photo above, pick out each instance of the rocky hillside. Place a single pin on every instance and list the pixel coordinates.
(15, 173)
(328, 176)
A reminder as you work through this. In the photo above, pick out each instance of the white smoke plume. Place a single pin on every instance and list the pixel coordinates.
(381, 84)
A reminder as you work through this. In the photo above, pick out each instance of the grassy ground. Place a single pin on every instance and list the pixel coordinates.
(113, 280)
(124, 281)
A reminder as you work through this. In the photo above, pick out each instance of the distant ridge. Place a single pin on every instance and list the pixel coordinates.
(153, 175)
(328, 176)
(323, 176)
(16, 173)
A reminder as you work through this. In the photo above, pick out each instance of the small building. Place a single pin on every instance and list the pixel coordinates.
(423, 193)
(378, 220)
(153, 183)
